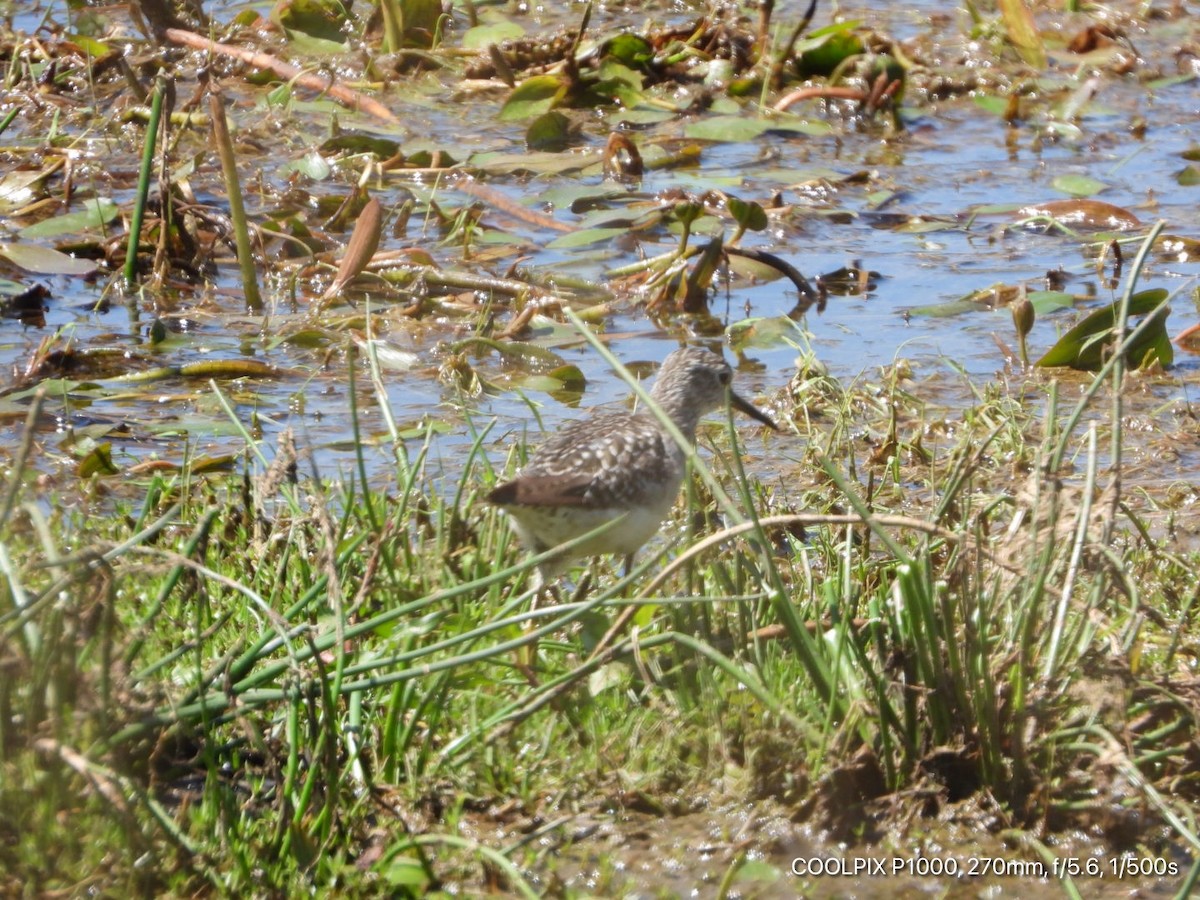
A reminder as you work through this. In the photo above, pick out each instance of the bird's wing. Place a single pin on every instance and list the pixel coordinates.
(593, 463)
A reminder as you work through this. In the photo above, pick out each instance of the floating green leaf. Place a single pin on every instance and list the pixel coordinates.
(96, 213)
(305, 337)
(92, 47)
(631, 49)
(537, 163)
(617, 84)
(534, 96)
(754, 269)
(424, 158)
(311, 165)
(992, 209)
(642, 116)
(45, 260)
(1048, 301)
(313, 46)
(762, 333)
(584, 238)
(793, 125)
(730, 129)
(480, 36)
(222, 463)
(361, 143)
(319, 19)
(1078, 185)
(1189, 176)
(549, 131)
(520, 351)
(946, 310)
(827, 48)
(571, 377)
(991, 103)
(20, 187)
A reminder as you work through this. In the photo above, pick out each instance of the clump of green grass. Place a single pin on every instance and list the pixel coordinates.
(262, 683)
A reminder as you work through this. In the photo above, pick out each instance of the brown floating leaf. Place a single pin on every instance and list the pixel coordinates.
(222, 463)
(364, 241)
(1084, 214)
(1092, 37)
(1178, 248)
(621, 157)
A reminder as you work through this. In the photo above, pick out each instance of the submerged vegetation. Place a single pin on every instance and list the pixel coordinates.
(934, 633)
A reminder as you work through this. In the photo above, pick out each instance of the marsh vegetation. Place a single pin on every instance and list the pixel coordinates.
(285, 288)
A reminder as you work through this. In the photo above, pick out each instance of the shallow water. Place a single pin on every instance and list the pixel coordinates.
(953, 156)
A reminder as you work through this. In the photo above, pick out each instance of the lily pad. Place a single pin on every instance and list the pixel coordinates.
(534, 96)
(535, 162)
(96, 213)
(45, 260)
(1094, 214)
(529, 354)
(1050, 301)
(729, 129)
(480, 36)
(549, 131)
(20, 187)
(1189, 176)
(761, 333)
(361, 143)
(318, 20)
(1078, 185)
(991, 103)
(584, 238)
(311, 165)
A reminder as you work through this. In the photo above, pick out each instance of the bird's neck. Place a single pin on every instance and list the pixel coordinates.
(686, 416)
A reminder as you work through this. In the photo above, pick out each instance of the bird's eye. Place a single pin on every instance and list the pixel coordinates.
(725, 377)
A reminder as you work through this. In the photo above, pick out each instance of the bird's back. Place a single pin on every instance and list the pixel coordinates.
(605, 461)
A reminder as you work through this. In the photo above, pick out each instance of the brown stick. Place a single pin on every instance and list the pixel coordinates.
(495, 198)
(825, 92)
(343, 95)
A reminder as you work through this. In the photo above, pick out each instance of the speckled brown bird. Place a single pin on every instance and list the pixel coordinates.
(613, 464)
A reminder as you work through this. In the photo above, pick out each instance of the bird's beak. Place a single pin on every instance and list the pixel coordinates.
(751, 410)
